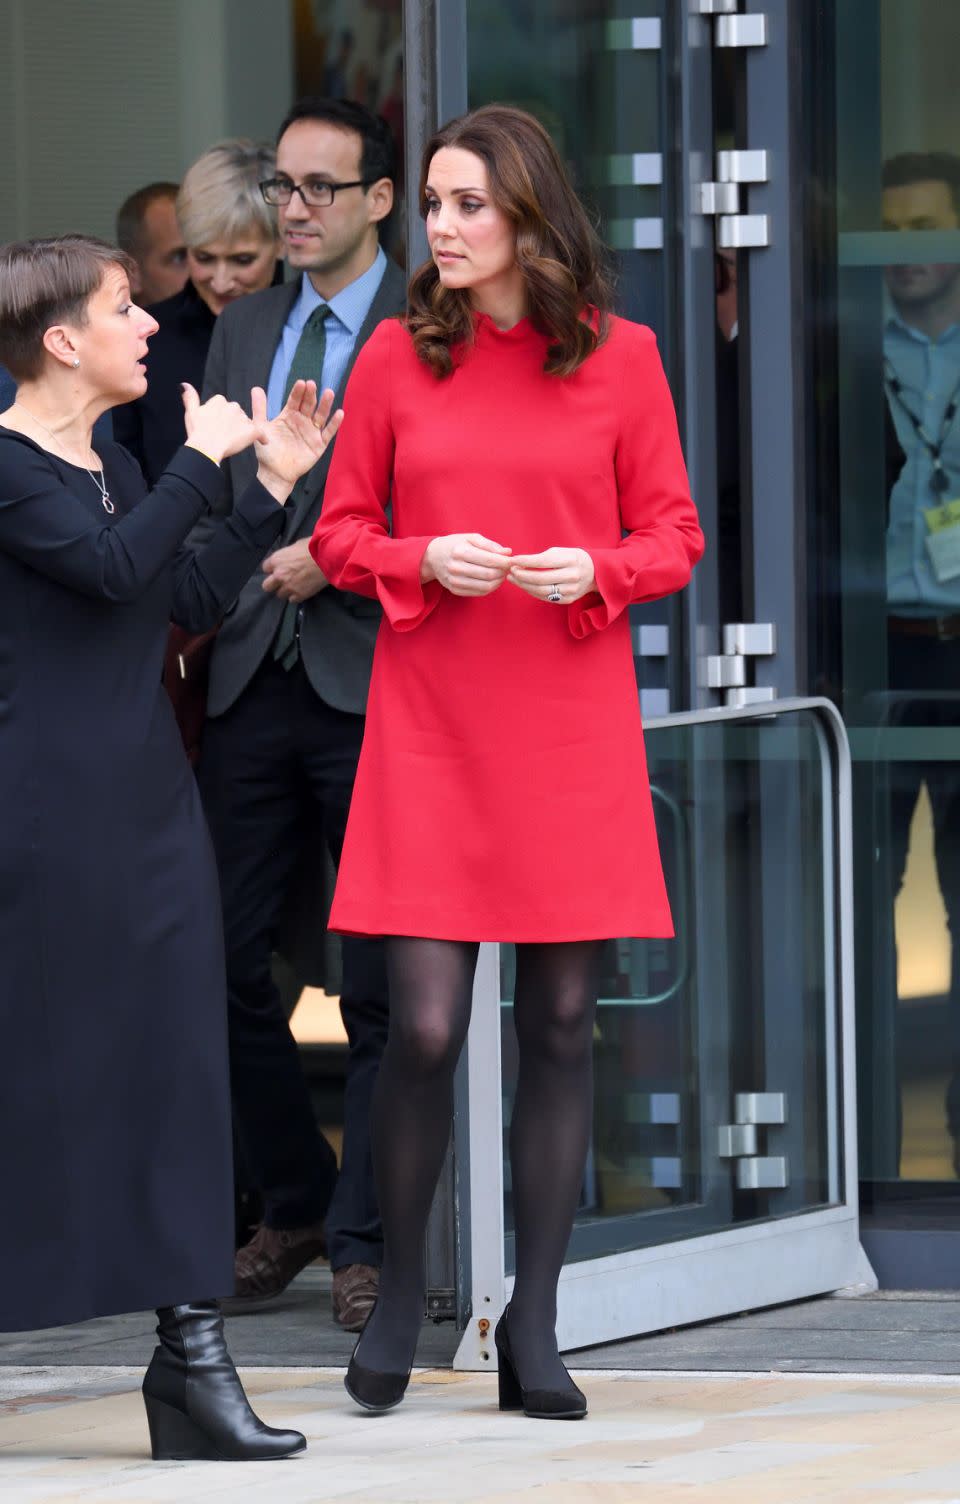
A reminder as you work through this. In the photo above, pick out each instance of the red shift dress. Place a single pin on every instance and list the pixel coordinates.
(502, 790)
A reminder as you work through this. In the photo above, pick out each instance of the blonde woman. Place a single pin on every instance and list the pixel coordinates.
(232, 248)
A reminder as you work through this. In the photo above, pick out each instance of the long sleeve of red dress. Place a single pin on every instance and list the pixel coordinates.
(353, 545)
(663, 540)
(504, 718)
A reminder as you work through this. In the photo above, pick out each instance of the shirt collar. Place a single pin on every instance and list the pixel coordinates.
(895, 323)
(349, 306)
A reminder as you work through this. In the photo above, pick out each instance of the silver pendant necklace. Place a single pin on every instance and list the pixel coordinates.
(100, 484)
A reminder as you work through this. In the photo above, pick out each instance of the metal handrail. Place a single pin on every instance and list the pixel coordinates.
(489, 1284)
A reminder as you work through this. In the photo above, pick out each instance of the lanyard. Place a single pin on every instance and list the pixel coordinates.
(939, 480)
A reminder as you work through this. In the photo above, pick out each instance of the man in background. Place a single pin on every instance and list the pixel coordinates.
(147, 230)
(288, 687)
(921, 349)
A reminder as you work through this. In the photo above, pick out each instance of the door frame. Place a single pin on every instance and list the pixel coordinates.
(700, 1276)
(697, 1278)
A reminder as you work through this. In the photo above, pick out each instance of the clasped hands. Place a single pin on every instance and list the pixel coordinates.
(469, 564)
(286, 448)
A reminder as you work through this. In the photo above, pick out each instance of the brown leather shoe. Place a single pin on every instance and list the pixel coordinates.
(264, 1267)
(354, 1295)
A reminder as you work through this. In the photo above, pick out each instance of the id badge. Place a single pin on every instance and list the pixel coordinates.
(943, 540)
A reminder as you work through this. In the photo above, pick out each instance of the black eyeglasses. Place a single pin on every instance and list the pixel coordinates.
(316, 193)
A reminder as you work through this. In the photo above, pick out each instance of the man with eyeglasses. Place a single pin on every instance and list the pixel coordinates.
(287, 694)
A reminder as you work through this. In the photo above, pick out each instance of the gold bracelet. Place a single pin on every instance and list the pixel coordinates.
(197, 450)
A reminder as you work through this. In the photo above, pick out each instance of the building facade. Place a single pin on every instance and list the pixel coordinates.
(750, 163)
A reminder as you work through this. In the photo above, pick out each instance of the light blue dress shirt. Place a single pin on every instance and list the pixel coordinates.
(928, 371)
(348, 309)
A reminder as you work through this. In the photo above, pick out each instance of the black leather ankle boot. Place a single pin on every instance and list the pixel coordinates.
(196, 1407)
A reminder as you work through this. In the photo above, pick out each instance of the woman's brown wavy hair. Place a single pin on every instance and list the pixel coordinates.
(563, 261)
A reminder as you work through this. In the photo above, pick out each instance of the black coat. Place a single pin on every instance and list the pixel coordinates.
(115, 1139)
(152, 427)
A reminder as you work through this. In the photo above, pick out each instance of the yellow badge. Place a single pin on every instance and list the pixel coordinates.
(943, 539)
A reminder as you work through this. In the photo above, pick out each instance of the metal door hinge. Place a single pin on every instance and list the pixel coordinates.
(722, 198)
(728, 670)
(738, 232)
(760, 1107)
(765, 1173)
(725, 670)
(736, 1139)
(741, 31)
(741, 696)
(740, 1141)
(719, 198)
(733, 29)
(742, 166)
(441, 1305)
(755, 638)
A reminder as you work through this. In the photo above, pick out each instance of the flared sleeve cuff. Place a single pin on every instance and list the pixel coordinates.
(613, 593)
(645, 567)
(406, 599)
(385, 568)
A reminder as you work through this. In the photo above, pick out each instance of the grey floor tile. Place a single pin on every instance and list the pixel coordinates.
(871, 1334)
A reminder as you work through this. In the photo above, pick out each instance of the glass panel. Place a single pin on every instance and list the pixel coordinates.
(593, 74)
(353, 49)
(887, 545)
(742, 1001)
(572, 66)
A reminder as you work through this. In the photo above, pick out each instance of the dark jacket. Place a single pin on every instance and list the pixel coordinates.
(152, 428)
(338, 628)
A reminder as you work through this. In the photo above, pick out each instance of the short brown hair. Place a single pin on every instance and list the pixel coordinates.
(924, 167)
(133, 212)
(564, 264)
(47, 282)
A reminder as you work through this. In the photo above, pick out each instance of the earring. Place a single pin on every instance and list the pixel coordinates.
(76, 364)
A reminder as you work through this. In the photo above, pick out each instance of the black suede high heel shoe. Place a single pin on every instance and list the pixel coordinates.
(196, 1408)
(374, 1391)
(539, 1404)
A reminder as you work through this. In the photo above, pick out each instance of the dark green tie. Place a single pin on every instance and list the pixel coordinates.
(307, 365)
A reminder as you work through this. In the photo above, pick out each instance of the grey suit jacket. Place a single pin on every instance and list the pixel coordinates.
(338, 628)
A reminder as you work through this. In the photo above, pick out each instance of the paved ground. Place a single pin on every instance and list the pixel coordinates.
(894, 1334)
(79, 1435)
(849, 1400)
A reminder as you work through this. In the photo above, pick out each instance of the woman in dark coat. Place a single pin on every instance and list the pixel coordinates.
(114, 1096)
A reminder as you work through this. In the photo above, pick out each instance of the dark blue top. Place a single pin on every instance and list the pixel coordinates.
(115, 1139)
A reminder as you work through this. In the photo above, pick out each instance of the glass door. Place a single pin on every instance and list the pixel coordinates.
(722, 1170)
(883, 530)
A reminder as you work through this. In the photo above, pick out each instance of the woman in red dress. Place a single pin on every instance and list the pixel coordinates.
(526, 441)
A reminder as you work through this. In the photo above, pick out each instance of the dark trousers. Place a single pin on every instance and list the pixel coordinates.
(925, 673)
(268, 766)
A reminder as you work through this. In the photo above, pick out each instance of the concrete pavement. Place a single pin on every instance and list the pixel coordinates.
(78, 1436)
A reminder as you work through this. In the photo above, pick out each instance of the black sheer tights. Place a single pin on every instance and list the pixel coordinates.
(430, 989)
